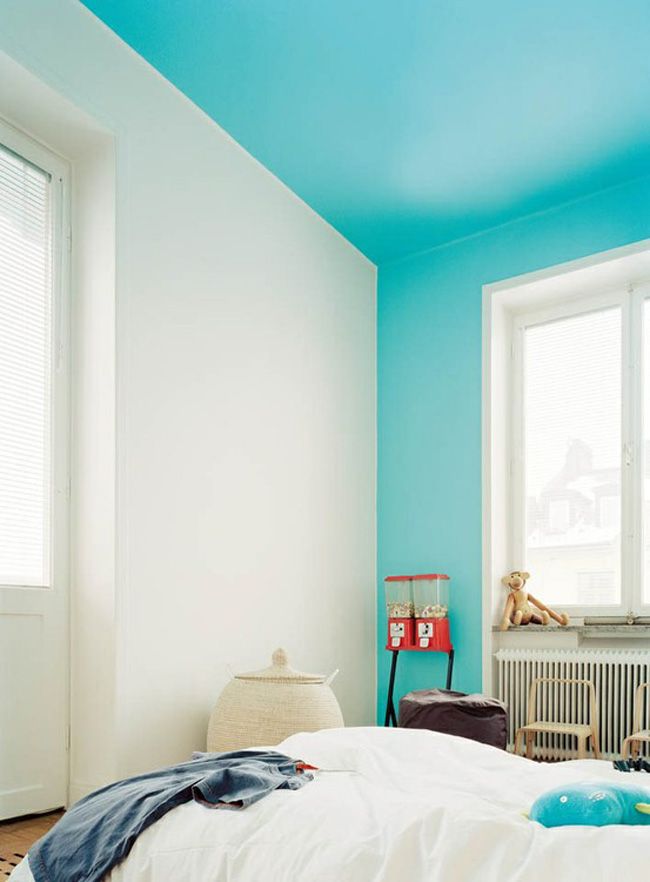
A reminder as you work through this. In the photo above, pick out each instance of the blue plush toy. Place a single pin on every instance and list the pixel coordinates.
(592, 804)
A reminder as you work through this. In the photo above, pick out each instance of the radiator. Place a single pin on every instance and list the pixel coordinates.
(614, 673)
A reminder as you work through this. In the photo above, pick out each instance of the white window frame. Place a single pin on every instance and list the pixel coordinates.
(59, 170)
(630, 302)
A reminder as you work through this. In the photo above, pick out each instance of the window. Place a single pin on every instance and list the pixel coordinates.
(644, 453)
(581, 444)
(32, 333)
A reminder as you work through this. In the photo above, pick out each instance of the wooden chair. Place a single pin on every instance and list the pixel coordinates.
(639, 735)
(582, 731)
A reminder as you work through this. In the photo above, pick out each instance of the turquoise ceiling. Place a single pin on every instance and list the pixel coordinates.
(411, 124)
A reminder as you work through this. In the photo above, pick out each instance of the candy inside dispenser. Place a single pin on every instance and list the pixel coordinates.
(399, 609)
(431, 607)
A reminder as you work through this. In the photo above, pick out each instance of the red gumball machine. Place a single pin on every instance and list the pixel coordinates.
(399, 610)
(431, 609)
(418, 621)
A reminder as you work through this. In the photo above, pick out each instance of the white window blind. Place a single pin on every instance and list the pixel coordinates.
(572, 400)
(25, 371)
(645, 453)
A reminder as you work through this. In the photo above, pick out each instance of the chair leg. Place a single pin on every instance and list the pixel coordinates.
(530, 743)
(595, 742)
(582, 747)
(519, 736)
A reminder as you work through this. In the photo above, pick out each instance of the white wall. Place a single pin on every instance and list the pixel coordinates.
(245, 420)
(93, 625)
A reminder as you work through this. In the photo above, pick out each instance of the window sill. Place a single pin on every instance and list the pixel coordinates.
(634, 632)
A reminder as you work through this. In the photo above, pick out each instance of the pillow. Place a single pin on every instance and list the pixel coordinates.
(592, 804)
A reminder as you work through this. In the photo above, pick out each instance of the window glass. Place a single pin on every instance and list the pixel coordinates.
(572, 458)
(646, 450)
(25, 372)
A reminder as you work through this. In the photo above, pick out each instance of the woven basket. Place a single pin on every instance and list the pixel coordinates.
(265, 707)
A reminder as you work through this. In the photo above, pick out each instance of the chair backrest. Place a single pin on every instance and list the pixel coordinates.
(639, 706)
(564, 685)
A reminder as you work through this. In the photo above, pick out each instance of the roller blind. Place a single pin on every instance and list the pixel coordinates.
(572, 454)
(25, 371)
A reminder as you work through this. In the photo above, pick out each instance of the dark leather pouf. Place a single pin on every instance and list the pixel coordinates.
(454, 713)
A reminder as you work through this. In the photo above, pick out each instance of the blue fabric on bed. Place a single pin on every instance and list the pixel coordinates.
(99, 831)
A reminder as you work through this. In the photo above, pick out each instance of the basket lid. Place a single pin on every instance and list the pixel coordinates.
(280, 671)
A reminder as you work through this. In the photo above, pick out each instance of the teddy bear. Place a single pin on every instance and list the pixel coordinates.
(518, 609)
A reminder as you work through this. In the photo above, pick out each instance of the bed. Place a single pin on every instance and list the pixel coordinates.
(391, 805)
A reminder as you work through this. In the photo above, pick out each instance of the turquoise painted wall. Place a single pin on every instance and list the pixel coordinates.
(429, 404)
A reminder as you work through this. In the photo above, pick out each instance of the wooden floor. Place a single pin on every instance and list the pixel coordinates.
(17, 836)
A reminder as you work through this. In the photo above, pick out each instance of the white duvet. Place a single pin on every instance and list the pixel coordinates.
(392, 805)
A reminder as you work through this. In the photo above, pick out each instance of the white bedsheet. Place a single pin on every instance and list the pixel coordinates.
(396, 805)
